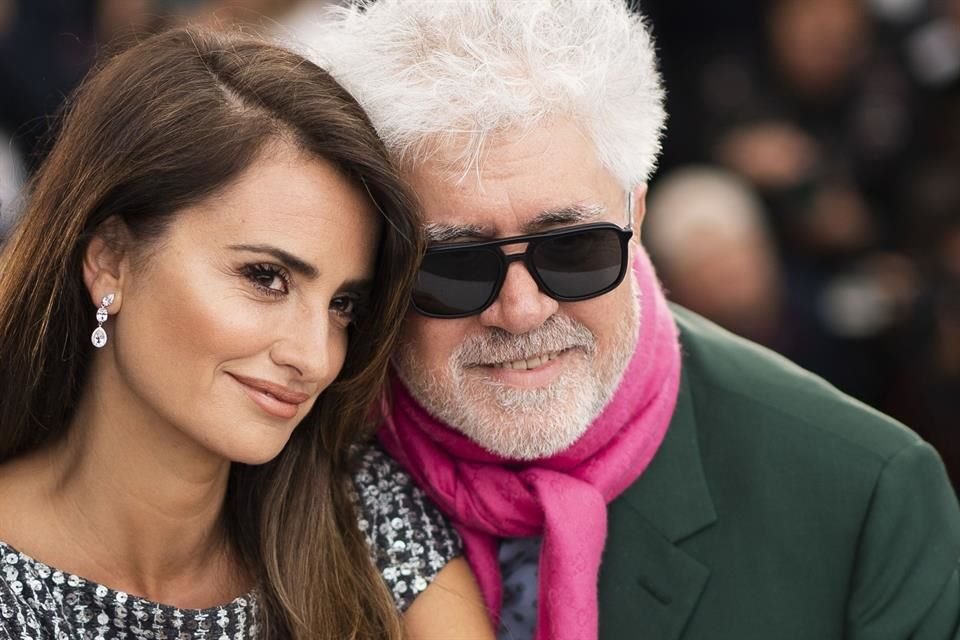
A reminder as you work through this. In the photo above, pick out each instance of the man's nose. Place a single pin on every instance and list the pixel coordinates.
(521, 306)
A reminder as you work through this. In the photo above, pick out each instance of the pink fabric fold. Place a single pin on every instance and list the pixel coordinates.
(564, 497)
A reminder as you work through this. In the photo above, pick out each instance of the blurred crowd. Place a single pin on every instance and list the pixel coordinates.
(809, 193)
(48, 46)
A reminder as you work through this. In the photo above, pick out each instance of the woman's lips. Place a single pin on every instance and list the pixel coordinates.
(274, 399)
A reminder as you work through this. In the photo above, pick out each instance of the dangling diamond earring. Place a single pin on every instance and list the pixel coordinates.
(99, 337)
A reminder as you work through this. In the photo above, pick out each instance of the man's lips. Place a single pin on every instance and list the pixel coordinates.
(273, 398)
(526, 363)
(535, 372)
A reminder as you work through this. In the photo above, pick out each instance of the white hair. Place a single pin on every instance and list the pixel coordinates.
(435, 73)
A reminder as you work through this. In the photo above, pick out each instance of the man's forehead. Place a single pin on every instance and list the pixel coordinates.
(478, 151)
(523, 180)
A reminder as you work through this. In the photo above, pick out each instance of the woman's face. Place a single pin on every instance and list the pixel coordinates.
(231, 325)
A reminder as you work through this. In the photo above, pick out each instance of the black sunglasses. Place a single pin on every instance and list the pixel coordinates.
(568, 264)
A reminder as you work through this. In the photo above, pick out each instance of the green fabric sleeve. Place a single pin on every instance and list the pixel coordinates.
(943, 616)
(906, 584)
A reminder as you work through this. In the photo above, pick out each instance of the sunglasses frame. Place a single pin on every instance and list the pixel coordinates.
(533, 239)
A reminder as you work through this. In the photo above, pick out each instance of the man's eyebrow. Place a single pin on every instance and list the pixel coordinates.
(286, 258)
(439, 232)
(565, 215)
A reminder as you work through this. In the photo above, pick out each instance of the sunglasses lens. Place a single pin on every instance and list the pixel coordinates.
(452, 283)
(581, 265)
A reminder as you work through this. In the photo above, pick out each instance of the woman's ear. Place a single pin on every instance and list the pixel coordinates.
(106, 264)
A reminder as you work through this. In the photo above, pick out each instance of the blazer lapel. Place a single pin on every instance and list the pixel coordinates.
(649, 586)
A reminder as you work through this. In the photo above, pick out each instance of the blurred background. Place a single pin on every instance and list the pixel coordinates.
(809, 193)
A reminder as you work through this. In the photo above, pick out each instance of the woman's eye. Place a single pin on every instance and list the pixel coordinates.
(345, 308)
(268, 278)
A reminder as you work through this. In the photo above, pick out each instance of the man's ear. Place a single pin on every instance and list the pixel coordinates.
(639, 210)
(106, 264)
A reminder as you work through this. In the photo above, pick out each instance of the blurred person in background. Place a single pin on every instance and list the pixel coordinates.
(927, 389)
(48, 46)
(823, 132)
(10, 170)
(11, 179)
(933, 46)
(706, 231)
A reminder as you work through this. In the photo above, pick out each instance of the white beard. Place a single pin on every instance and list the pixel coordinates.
(524, 424)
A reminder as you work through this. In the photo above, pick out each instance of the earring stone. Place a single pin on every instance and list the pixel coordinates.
(99, 337)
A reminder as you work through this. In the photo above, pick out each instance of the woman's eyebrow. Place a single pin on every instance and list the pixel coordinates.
(287, 259)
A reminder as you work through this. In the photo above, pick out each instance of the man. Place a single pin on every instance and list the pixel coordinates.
(617, 468)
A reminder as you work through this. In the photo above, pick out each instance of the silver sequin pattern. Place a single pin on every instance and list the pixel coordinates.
(408, 538)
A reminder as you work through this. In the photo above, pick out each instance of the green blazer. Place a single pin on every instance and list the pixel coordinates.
(778, 508)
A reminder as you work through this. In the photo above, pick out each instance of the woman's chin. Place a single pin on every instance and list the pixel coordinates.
(254, 450)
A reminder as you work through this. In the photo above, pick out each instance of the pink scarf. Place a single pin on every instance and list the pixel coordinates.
(563, 497)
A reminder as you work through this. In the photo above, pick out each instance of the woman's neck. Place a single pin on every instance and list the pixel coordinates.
(133, 503)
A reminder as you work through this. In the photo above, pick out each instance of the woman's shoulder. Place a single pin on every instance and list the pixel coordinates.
(410, 540)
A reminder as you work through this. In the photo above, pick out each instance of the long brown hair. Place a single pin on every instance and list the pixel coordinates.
(160, 127)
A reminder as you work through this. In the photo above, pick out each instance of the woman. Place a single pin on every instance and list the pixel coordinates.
(220, 221)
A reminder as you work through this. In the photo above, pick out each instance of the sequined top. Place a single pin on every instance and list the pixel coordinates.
(408, 538)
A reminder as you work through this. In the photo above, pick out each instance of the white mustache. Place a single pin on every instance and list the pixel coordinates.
(557, 334)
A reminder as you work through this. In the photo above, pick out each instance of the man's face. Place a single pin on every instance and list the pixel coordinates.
(525, 377)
